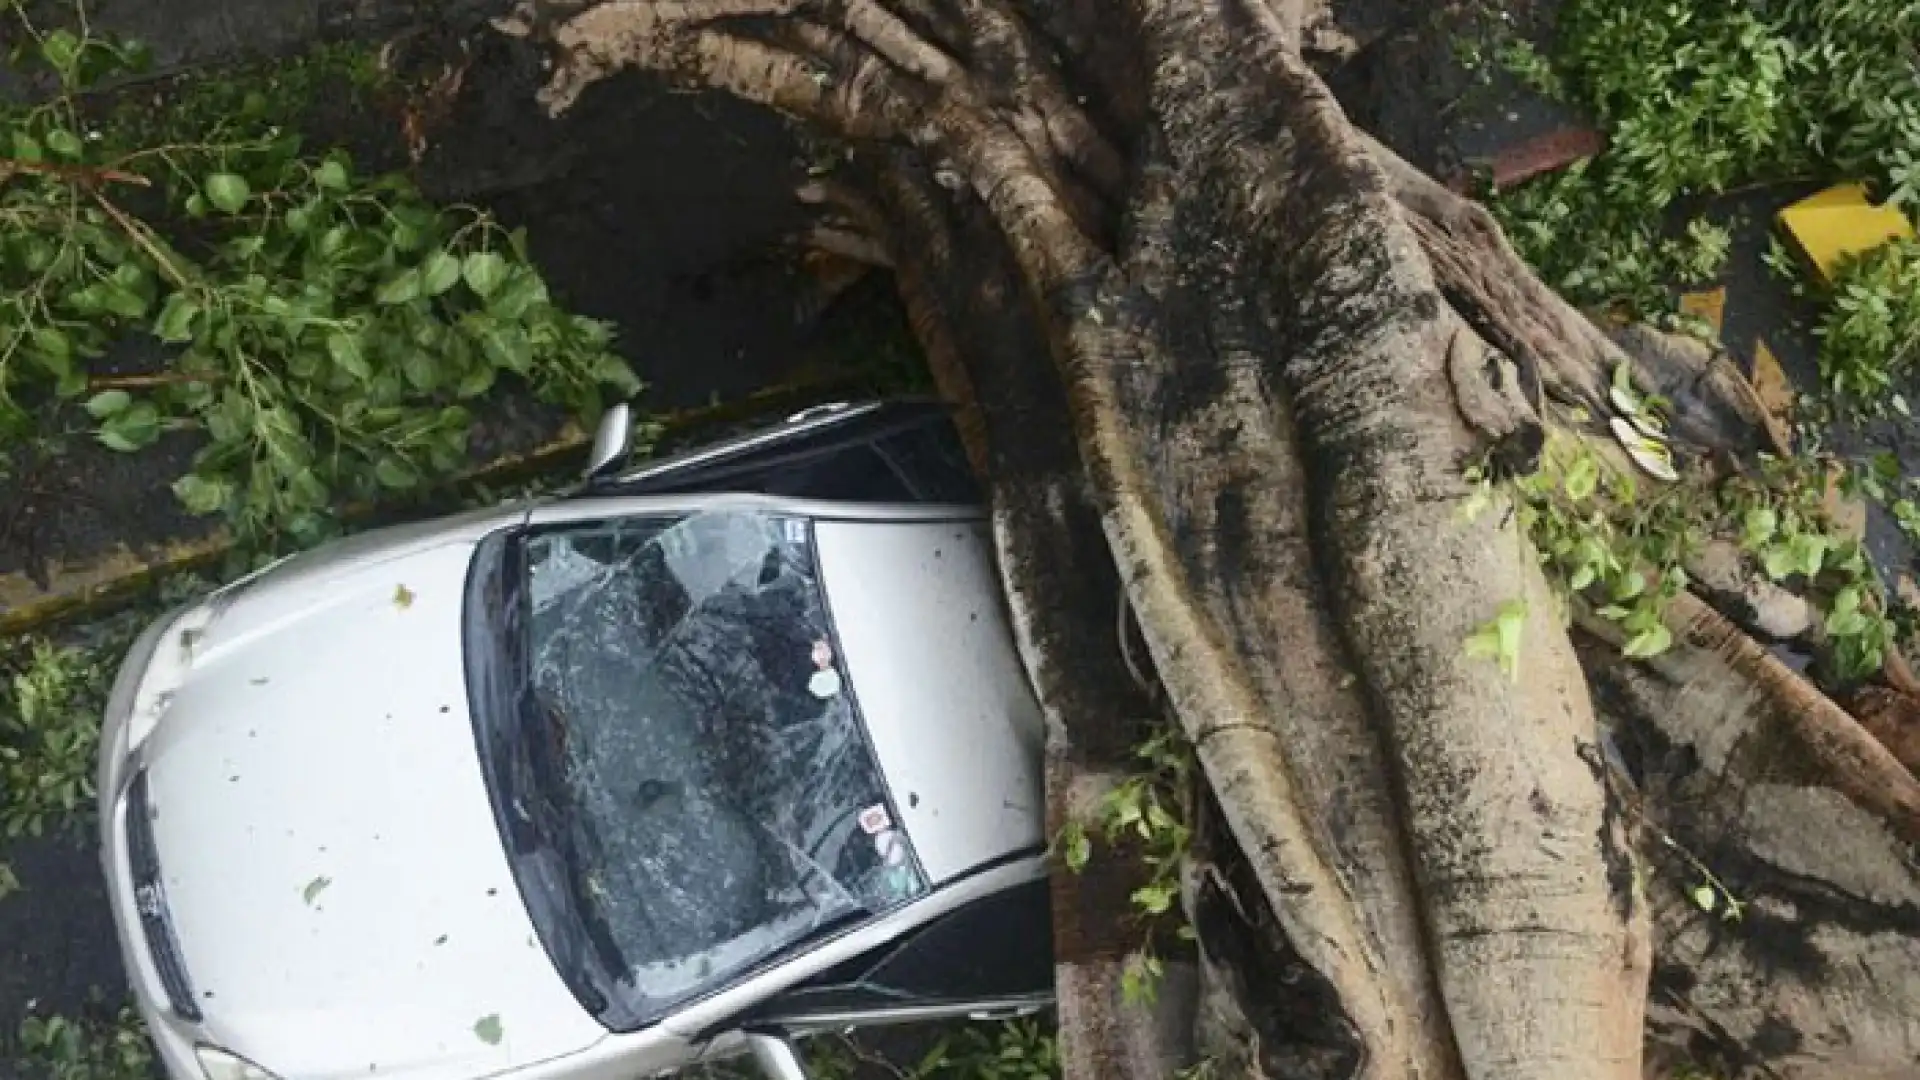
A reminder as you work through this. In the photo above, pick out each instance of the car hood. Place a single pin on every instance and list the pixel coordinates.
(931, 659)
(341, 897)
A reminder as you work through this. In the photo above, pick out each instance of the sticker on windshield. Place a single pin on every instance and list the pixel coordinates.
(824, 684)
(892, 848)
(822, 654)
(796, 531)
(874, 819)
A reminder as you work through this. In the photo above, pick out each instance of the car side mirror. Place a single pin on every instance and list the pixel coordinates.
(611, 442)
(774, 1055)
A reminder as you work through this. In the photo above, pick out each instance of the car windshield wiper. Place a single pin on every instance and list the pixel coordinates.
(544, 802)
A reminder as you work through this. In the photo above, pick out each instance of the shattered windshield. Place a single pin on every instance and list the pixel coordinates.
(694, 765)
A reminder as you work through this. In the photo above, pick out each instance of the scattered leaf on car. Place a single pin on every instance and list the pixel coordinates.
(488, 1029)
(315, 888)
(402, 597)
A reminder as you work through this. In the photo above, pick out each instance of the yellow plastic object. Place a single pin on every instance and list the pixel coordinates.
(1839, 222)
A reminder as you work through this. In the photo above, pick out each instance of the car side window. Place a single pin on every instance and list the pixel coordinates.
(995, 948)
(929, 457)
(856, 473)
(906, 454)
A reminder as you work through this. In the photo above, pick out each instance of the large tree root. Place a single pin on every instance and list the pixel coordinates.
(1278, 346)
(1814, 975)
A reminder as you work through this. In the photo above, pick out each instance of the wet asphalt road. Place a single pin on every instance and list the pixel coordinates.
(60, 956)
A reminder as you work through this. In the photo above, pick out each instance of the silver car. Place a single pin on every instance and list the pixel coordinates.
(688, 762)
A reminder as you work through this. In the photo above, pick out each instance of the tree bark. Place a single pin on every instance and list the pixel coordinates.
(1223, 360)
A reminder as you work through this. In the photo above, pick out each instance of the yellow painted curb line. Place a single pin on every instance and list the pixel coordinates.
(119, 574)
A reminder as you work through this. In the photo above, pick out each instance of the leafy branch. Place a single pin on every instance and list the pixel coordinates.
(324, 332)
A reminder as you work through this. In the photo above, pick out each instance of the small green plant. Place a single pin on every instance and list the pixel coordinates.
(1601, 541)
(1147, 811)
(1021, 1049)
(61, 1048)
(1010, 1050)
(1148, 808)
(1624, 553)
(49, 735)
(1783, 524)
(1870, 329)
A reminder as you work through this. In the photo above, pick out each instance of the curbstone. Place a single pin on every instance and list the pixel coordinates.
(121, 574)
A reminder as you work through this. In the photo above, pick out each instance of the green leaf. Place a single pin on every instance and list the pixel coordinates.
(1581, 479)
(122, 301)
(309, 489)
(422, 372)
(1758, 526)
(1705, 897)
(1842, 624)
(1500, 638)
(60, 49)
(331, 175)
(314, 888)
(400, 289)
(439, 272)
(1809, 551)
(475, 382)
(52, 341)
(508, 347)
(108, 402)
(1846, 601)
(1581, 578)
(1076, 848)
(346, 351)
(1649, 642)
(227, 191)
(200, 495)
(396, 474)
(522, 290)
(64, 143)
(1153, 899)
(175, 324)
(488, 1030)
(483, 272)
(133, 428)
(1629, 585)
(333, 241)
(1777, 561)
(615, 372)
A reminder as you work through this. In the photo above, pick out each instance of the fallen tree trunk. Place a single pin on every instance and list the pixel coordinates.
(1213, 337)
